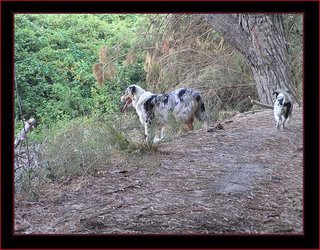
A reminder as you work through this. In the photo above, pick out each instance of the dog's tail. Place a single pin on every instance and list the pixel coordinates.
(201, 113)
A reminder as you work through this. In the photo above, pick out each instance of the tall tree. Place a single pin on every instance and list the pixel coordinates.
(261, 39)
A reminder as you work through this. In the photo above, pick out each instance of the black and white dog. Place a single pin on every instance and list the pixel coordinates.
(282, 107)
(184, 103)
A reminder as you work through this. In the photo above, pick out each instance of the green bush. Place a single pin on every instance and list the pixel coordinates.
(54, 55)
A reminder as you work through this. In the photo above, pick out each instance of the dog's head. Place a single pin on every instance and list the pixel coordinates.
(131, 93)
(278, 91)
(128, 97)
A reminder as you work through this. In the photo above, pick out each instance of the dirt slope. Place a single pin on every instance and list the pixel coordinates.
(244, 178)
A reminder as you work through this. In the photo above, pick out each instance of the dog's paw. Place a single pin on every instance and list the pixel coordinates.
(156, 139)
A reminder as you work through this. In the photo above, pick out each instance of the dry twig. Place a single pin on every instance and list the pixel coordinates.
(260, 103)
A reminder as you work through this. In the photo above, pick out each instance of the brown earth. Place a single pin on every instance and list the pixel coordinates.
(244, 178)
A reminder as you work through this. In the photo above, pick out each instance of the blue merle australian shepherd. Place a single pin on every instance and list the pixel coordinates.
(184, 103)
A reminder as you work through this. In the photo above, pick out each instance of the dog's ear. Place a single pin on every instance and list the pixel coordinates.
(275, 92)
(132, 89)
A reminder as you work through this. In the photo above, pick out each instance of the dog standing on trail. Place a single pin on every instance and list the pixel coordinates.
(185, 104)
(282, 108)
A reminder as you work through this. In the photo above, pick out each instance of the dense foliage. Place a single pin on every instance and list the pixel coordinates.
(54, 55)
(59, 58)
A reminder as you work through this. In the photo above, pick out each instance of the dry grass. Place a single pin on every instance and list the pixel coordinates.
(188, 53)
(232, 180)
(183, 50)
(77, 148)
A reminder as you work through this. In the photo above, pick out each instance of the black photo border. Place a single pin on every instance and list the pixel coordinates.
(308, 240)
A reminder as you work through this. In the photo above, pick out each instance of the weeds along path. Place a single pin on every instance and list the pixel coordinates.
(244, 178)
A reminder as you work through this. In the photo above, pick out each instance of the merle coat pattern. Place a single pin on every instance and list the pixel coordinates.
(184, 103)
(282, 107)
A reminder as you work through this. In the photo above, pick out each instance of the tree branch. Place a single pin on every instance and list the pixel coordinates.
(28, 125)
(260, 103)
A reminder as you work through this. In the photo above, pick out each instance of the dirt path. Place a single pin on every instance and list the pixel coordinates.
(244, 178)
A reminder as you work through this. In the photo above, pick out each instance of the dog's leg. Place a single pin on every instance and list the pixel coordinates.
(205, 124)
(283, 121)
(201, 113)
(287, 121)
(163, 128)
(156, 138)
(277, 122)
(186, 127)
(189, 126)
(146, 132)
(277, 117)
(149, 131)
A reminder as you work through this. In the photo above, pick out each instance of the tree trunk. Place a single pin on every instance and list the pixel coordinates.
(261, 39)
